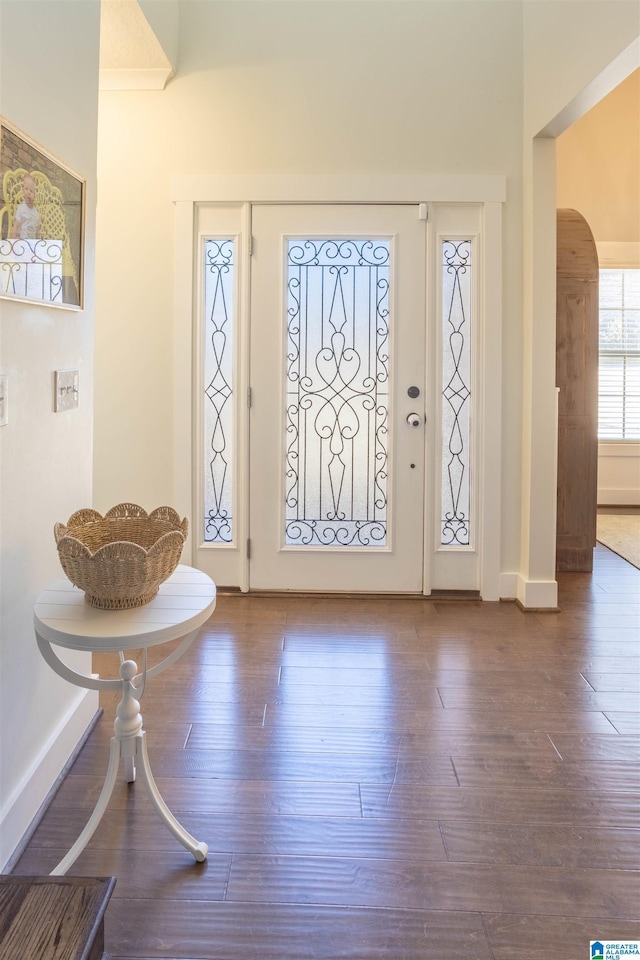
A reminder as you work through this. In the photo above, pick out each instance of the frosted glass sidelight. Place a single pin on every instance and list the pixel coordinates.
(456, 391)
(337, 399)
(218, 389)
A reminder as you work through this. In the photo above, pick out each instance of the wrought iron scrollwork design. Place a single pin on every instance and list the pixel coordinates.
(218, 521)
(456, 392)
(337, 403)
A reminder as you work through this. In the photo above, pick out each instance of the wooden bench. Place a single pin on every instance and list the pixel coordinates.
(53, 918)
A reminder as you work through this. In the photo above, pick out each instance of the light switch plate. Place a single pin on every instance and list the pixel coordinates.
(4, 400)
(66, 390)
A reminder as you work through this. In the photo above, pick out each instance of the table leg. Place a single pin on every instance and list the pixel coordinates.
(128, 722)
(96, 816)
(197, 848)
(129, 744)
(130, 769)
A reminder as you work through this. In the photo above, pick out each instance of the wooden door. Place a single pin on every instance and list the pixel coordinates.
(577, 379)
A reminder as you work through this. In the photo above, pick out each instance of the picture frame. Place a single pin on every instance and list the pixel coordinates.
(42, 218)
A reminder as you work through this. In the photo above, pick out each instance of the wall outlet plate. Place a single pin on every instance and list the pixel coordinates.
(66, 390)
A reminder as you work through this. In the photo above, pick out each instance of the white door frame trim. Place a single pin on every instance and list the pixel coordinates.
(306, 188)
(490, 191)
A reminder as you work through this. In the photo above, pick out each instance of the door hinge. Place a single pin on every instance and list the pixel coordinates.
(248, 549)
(250, 245)
(423, 211)
(249, 397)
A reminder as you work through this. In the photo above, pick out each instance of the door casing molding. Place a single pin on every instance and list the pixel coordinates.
(368, 188)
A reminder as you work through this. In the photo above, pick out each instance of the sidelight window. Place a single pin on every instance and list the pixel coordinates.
(456, 391)
(218, 389)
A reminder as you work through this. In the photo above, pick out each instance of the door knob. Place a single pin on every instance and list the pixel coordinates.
(414, 420)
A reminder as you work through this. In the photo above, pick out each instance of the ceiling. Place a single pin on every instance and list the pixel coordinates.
(130, 55)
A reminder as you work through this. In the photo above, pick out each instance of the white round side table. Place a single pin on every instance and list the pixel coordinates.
(62, 618)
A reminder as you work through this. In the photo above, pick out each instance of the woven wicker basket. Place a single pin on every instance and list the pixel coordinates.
(121, 559)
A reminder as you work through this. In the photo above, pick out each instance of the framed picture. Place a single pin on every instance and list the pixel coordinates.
(42, 206)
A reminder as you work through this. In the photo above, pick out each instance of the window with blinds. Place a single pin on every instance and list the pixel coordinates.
(619, 366)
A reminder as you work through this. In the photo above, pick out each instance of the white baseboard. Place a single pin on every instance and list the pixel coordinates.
(508, 586)
(530, 594)
(537, 594)
(618, 497)
(19, 809)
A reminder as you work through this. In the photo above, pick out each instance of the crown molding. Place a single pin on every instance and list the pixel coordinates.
(147, 78)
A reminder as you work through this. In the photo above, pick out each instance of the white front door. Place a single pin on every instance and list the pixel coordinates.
(337, 420)
(345, 324)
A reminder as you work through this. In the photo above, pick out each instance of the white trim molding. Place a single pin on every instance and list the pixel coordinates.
(147, 78)
(612, 75)
(617, 448)
(20, 808)
(491, 377)
(183, 352)
(509, 586)
(618, 473)
(619, 496)
(487, 192)
(537, 594)
(304, 188)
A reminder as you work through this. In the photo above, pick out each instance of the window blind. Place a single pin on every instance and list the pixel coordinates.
(619, 365)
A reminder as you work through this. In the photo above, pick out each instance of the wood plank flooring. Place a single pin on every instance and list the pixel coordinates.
(379, 780)
(53, 918)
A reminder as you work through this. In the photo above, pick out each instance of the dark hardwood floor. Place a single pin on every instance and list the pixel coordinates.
(380, 779)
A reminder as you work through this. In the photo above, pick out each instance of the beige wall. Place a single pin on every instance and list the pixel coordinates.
(277, 88)
(48, 88)
(569, 48)
(598, 165)
(262, 87)
(573, 55)
(598, 173)
(346, 87)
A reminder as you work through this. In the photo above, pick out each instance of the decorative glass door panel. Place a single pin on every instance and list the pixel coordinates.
(337, 392)
(456, 391)
(219, 517)
(218, 269)
(456, 338)
(337, 340)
